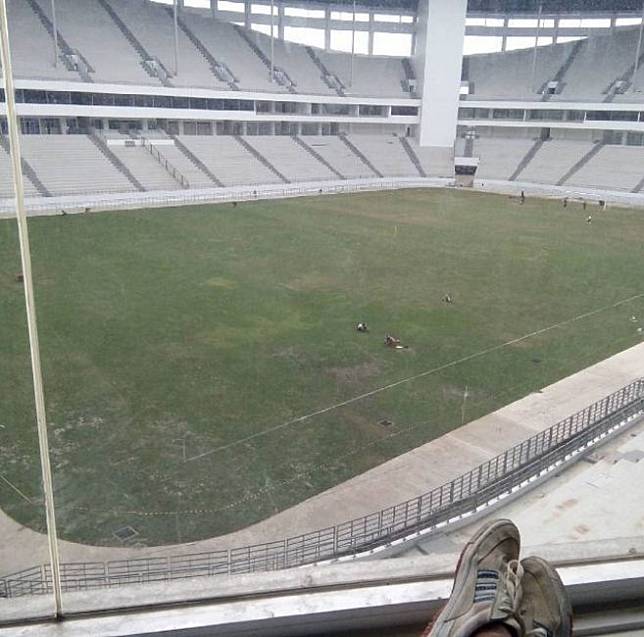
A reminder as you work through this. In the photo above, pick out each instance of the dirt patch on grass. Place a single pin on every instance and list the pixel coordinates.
(354, 374)
(221, 282)
(312, 282)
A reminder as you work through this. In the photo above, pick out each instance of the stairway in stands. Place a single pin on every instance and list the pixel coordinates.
(363, 158)
(330, 79)
(196, 161)
(529, 156)
(409, 83)
(621, 84)
(582, 162)
(102, 146)
(310, 151)
(561, 73)
(152, 65)
(253, 151)
(27, 169)
(279, 74)
(72, 58)
(413, 156)
(220, 70)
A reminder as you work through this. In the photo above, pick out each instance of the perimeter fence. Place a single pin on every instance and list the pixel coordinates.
(487, 483)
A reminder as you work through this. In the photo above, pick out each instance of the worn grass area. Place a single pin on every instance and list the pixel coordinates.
(169, 334)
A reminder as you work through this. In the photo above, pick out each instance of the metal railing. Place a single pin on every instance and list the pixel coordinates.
(490, 481)
(170, 169)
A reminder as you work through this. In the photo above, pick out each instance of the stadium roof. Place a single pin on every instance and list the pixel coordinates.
(502, 6)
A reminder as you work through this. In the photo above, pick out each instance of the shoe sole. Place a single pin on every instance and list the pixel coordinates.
(464, 567)
(535, 566)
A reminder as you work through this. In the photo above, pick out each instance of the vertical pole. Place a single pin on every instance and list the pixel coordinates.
(504, 39)
(327, 29)
(176, 37)
(353, 42)
(272, 40)
(55, 26)
(25, 255)
(536, 48)
(638, 50)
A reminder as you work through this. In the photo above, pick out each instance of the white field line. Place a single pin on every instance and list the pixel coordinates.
(408, 379)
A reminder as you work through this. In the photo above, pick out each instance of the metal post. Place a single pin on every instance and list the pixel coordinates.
(176, 37)
(55, 26)
(272, 40)
(25, 255)
(638, 50)
(353, 42)
(536, 48)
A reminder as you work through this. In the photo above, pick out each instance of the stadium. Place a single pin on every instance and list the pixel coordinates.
(316, 283)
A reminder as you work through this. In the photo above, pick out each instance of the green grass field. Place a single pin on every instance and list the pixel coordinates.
(184, 332)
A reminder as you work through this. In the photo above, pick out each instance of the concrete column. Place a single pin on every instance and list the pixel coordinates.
(327, 29)
(555, 35)
(439, 58)
(371, 30)
(280, 20)
(247, 14)
(504, 41)
(213, 8)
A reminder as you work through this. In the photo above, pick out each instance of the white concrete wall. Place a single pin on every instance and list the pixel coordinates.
(438, 60)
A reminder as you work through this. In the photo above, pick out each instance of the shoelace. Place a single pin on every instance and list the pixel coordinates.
(511, 592)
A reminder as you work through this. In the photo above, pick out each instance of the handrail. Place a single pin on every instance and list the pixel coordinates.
(174, 172)
(491, 480)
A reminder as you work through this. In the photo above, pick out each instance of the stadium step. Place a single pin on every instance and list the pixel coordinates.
(330, 79)
(412, 155)
(196, 161)
(218, 69)
(155, 70)
(72, 58)
(581, 163)
(620, 84)
(165, 163)
(639, 187)
(363, 158)
(308, 149)
(526, 159)
(561, 73)
(27, 169)
(409, 83)
(102, 146)
(253, 151)
(279, 74)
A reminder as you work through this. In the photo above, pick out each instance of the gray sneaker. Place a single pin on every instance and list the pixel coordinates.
(487, 584)
(545, 610)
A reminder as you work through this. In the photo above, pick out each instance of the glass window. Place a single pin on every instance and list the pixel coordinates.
(81, 98)
(200, 103)
(35, 97)
(123, 100)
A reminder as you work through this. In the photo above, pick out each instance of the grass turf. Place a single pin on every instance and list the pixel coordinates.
(167, 334)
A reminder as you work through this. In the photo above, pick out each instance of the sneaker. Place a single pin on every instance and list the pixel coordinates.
(545, 610)
(487, 584)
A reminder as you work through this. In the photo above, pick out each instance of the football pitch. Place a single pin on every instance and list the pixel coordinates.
(202, 368)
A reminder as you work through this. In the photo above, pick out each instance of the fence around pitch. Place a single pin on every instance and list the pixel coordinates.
(490, 480)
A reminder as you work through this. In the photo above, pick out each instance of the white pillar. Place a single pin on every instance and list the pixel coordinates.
(327, 29)
(247, 18)
(280, 20)
(439, 58)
